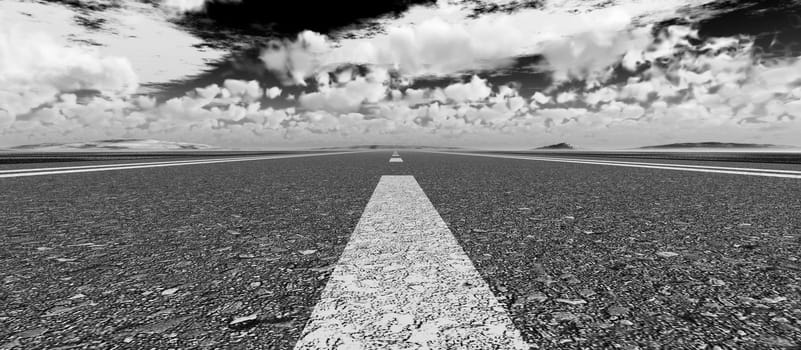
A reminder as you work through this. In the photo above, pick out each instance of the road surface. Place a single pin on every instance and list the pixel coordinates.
(540, 253)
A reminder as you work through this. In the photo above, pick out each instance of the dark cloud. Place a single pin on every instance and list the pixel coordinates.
(241, 65)
(90, 22)
(224, 21)
(89, 5)
(245, 27)
(525, 73)
(481, 7)
(775, 25)
(90, 12)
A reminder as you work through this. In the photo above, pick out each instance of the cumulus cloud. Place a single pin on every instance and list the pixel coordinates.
(249, 90)
(565, 97)
(540, 98)
(185, 5)
(36, 68)
(296, 60)
(273, 92)
(673, 85)
(688, 85)
(576, 40)
(348, 96)
(190, 5)
(476, 90)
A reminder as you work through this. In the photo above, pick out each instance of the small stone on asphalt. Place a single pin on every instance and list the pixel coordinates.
(242, 322)
(617, 311)
(774, 300)
(564, 316)
(537, 297)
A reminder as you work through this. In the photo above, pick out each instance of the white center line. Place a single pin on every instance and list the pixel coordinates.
(143, 165)
(403, 282)
(789, 174)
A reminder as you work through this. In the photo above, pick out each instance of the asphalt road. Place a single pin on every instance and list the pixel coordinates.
(581, 256)
(591, 235)
(87, 258)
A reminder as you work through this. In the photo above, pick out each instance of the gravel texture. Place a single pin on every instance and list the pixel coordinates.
(235, 255)
(204, 256)
(592, 256)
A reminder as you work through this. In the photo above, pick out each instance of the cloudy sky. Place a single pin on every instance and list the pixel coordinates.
(481, 73)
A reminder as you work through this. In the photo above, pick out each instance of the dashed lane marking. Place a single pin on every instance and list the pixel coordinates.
(143, 165)
(403, 282)
(790, 174)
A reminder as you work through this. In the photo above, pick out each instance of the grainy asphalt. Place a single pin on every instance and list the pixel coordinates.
(86, 258)
(92, 260)
(574, 250)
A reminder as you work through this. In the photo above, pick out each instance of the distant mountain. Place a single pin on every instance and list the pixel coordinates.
(711, 145)
(114, 145)
(560, 145)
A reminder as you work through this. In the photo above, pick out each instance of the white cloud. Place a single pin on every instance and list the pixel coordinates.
(591, 54)
(476, 90)
(158, 50)
(712, 89)
(296, 60)
(577, 40)
(273, 92)
(350, 96)
(540, 98)
(36, 68)
(185, 5)
(189, 5)
(209, 92)
(604, 94)
(6, 118)
(564, 97)
(249, 90)
(697, 86)
(638, 90)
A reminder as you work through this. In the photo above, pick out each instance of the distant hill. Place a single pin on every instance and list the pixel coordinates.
(560, 145)
(114, 145)
(389, 147)
(711, 145)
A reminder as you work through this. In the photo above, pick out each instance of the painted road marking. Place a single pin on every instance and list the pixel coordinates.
(112, 165)
(789, 174)
(403, 282)
(779, 171)
(395, 154)
(395, 160)
(143, 165)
